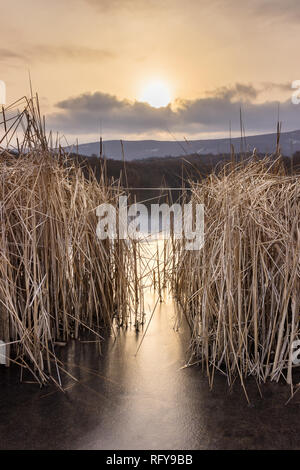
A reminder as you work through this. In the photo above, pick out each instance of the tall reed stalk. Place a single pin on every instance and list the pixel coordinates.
(242, 294)
(56, 276)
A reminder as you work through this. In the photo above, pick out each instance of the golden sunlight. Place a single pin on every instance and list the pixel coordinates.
(157, 94)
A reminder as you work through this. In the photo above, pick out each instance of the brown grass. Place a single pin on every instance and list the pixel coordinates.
(242, 293)
(55, 275)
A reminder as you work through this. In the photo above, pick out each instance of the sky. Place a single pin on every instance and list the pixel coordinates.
(91, 62)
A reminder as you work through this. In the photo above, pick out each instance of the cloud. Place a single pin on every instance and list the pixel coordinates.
(50, 53)
(9, 54)
(239, 91)
(266, 86)
(81, 115)
(287, 10)
(131, 5)
(84, 54)
(247, 92)
(272, 10)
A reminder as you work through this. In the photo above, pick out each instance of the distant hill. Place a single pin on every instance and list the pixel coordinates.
(140, 149)
(162, 172)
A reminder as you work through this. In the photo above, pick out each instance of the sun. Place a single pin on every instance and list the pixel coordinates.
(157, 94)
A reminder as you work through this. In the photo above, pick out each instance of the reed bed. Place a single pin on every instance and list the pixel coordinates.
(242, 291)
(56, 276)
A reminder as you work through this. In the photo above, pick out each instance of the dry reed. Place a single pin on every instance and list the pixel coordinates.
(56, 276)
(242, 291)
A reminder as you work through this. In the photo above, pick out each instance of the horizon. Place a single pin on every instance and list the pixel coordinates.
(189, 140)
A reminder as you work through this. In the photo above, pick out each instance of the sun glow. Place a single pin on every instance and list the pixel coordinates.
(157, 94)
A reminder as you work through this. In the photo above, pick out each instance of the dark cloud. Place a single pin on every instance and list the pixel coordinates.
(82, 114)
